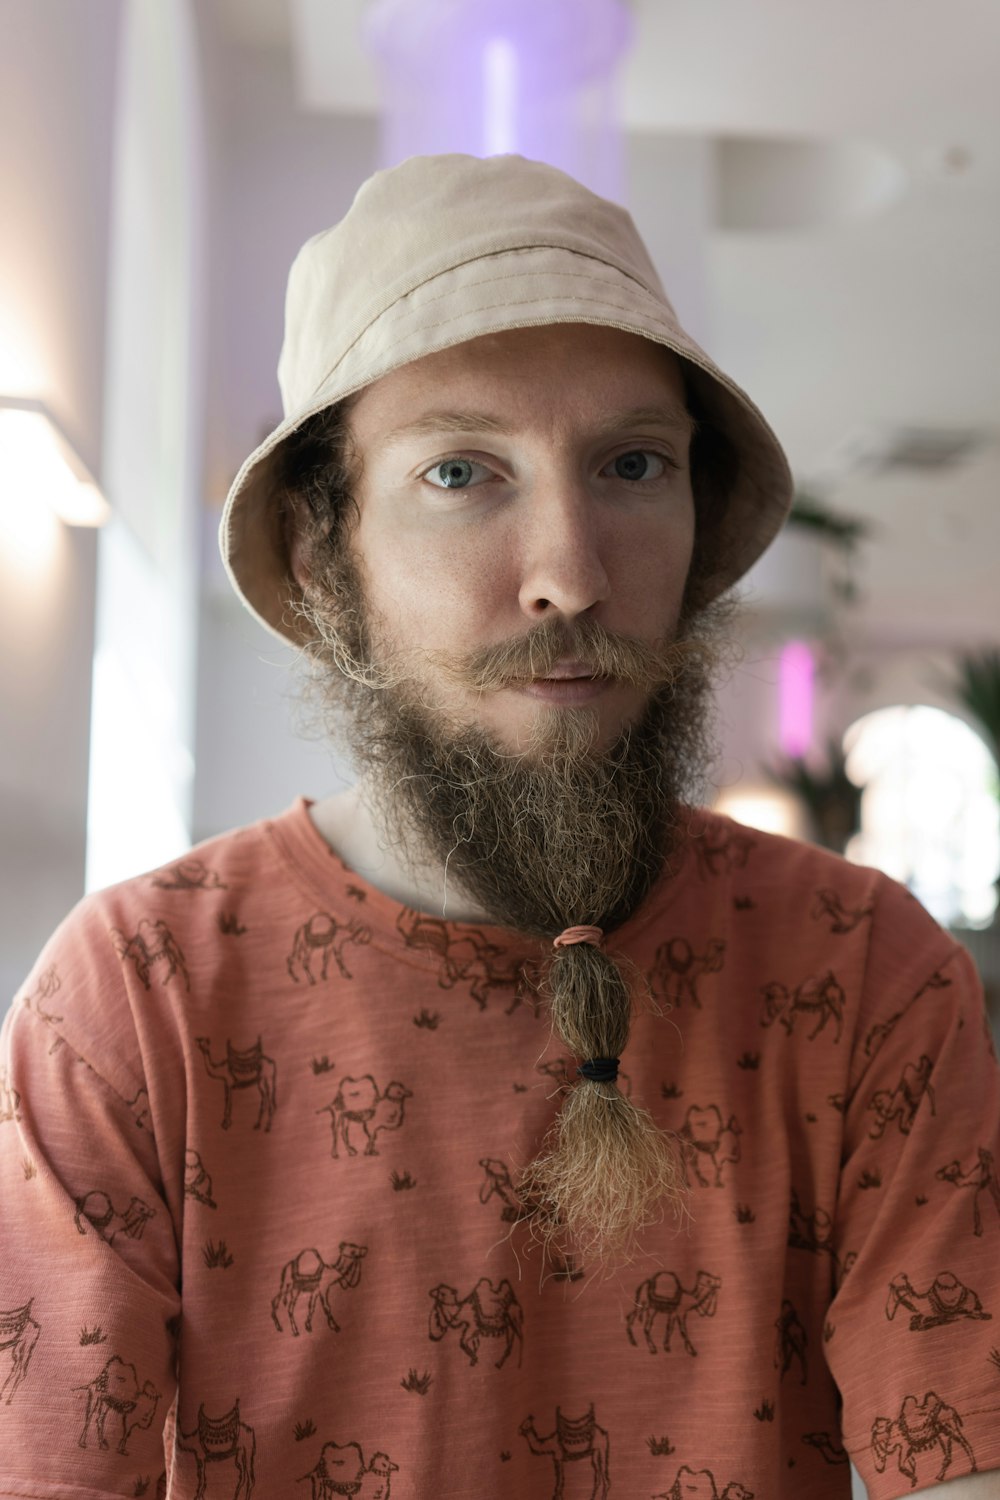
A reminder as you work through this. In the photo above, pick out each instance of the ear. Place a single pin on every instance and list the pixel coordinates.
(295, 544)
(297, 556)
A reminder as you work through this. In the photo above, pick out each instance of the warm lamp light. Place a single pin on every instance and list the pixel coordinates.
(770, 808)
(38, 464)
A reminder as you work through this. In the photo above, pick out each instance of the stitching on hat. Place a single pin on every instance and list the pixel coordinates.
(518, 276)
(490, 306)
(505, 276)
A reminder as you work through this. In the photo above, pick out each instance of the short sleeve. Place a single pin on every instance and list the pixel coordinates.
(913, 1332)
(89, 1301)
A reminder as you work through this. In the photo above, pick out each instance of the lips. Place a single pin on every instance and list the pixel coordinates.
(563, 670)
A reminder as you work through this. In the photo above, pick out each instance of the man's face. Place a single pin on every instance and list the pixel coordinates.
(536, 476)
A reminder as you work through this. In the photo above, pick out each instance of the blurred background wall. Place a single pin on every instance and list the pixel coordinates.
(821, 194)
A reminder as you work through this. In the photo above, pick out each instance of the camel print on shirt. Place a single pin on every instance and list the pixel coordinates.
(322, 934)
(946, 1300)
(341, 1470)
(115, 1395)
(399, 1330)
(921, 1435)
(227, 1441)
(486, 1312)
(96, 1209)
(360, 1112)
(663, 1294)
(580, 1451)
(18, 1336)
(303, 1277)
(247, 1069)
(154, 951)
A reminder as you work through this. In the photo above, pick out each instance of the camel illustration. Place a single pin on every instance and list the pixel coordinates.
(48, 985)
(322, 932)
(841, 918)
(723, 851)
(468, 959)
(819, 996)
(918, 1426)
(677, 969)
(10, 1099)
(945, 1301)
(791, 1341)
(189, 875)
(341, 1471)
(116, 1392)
(982, 1177)
(574, 1440)
(302, 1277)
(710, 1142)
(18, 1337)
(151, 943)
(359, 1105)
(487, 1311)
(197, 1183)
(663, 1293)
(497, 1182)
(700, 1485)
(904, 1101)
(831, 1451)
(814, 1232)
(99, 1212)
(140, 1104)
(243, 1070)
(218, 1440)
(882, 1030)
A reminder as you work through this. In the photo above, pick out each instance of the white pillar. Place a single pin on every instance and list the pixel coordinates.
(144, 667)
(494, 76)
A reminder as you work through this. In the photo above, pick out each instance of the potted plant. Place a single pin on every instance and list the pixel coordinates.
(832, 799)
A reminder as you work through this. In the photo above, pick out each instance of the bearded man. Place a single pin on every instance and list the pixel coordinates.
(602, 1078)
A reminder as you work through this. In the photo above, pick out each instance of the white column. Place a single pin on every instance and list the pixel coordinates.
(142, 738)
(493, 76)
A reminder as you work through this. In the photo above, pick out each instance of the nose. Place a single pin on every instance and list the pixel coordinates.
(562, 552)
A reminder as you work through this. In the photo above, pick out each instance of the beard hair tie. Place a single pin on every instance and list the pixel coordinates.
(599, 1069)
(572, 935)
(595, 1069)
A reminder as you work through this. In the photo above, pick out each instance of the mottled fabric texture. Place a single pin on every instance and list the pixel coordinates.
(259, 1127)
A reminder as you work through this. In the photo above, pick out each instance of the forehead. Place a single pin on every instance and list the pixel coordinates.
(528, 374)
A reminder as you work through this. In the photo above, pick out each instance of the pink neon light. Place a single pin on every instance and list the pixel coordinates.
(795, 711)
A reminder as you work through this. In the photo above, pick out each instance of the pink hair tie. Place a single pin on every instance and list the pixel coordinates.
(579, 935)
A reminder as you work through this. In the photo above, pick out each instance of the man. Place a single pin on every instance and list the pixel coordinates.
(508, 1125)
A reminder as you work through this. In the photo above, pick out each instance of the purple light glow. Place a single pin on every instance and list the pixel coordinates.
(795, 699)
(499, 97)
(493, 76)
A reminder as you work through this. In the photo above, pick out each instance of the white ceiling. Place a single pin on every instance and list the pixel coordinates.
(844, 332)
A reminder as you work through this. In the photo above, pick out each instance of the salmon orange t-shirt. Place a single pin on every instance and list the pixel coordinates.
(260, 1129)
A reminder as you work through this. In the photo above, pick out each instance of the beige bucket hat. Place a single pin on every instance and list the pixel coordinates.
(441, 249)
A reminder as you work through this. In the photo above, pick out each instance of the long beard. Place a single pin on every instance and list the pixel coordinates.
(561, 833)
(556, 836)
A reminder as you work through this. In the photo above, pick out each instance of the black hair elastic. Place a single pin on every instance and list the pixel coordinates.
(599, 1069)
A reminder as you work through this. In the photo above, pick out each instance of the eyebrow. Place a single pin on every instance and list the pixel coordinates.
(434, 422)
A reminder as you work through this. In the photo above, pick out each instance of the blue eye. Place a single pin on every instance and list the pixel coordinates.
(635, 465)
(453, 474)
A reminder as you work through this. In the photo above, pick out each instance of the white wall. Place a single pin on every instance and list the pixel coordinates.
(278, 177)
(57, 77)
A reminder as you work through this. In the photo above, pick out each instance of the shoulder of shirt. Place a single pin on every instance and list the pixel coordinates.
(799, 870)
(225, 864)
(222, 861)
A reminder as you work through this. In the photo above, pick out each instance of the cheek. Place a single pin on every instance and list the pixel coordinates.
(652, 561)
(432, 591)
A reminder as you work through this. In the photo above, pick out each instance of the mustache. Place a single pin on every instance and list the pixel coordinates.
(601, 652)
